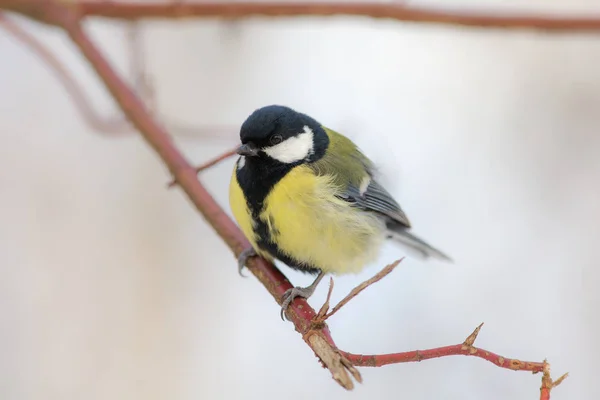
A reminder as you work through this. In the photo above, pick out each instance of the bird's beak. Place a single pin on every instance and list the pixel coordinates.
(248, 149)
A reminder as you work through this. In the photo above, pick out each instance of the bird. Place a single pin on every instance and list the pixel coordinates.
(307, 196)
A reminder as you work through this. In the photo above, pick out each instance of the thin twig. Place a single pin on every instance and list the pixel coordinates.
(209, 164)
(354, 292)
(321, 315)
(216, 160)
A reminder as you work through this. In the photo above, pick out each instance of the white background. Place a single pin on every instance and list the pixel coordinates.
(112, 287)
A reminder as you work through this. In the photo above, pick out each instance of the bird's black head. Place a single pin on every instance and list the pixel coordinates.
(283, 135)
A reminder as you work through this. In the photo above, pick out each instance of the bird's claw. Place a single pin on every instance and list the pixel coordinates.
(243, 258)
(291, 294)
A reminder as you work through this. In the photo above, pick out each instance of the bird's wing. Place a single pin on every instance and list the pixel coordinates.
(376, 198)
(353, 174)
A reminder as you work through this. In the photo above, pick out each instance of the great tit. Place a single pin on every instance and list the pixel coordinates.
(307, 196)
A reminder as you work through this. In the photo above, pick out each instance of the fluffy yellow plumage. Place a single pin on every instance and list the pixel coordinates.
(310, 224)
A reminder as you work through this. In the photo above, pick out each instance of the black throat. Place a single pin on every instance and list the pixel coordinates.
(257, 178)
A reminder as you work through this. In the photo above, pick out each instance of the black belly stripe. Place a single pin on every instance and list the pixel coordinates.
(256, 180)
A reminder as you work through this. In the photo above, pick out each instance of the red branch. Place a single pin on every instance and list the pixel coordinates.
(300, 313)
(314, 330)
(392, 10)
(380, 360)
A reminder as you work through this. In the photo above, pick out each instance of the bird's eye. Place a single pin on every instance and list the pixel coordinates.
(276, 139)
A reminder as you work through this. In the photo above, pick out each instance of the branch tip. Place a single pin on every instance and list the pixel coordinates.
(334, 361)
(355, 374)
(561, 379)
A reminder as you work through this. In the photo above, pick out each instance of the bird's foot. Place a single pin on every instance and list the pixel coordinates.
(243, 258)
(291, 294)
(305, 292)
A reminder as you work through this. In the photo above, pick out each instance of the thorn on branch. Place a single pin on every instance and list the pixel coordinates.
(470, 340)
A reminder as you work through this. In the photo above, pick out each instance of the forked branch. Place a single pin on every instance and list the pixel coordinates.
(465, 348)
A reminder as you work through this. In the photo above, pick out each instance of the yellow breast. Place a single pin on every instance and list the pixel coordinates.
(310, 224)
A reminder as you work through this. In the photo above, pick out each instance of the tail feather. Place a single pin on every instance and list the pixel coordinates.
(414, 245)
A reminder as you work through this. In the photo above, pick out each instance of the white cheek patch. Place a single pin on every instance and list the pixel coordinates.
(293, 149)
(241, 162)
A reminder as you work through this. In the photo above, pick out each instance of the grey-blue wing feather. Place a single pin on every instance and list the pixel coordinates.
(376, 198)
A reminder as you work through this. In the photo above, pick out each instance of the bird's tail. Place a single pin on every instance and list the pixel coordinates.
(414, 245)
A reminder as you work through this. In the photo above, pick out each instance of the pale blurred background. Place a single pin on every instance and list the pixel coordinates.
(113, 287)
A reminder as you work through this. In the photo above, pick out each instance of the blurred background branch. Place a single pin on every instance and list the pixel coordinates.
(81, 102)
(142, 84)
(399, 11)
(67, 16)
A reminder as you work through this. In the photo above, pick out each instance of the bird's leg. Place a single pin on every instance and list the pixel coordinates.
(305, 292)
(243, 258)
